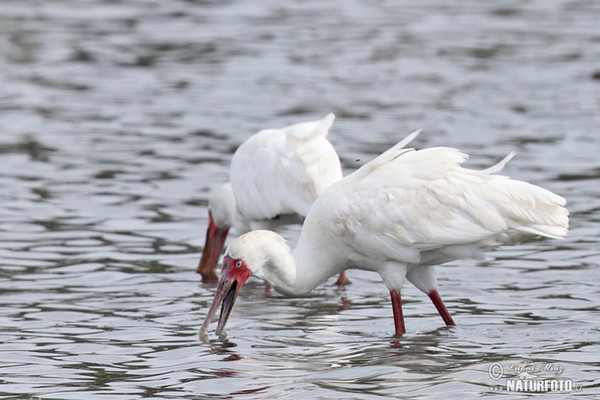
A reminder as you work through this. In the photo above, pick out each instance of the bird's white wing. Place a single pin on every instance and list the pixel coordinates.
(423, 206)
(282, 171)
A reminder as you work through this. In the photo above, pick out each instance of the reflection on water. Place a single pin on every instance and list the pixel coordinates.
(117, 119)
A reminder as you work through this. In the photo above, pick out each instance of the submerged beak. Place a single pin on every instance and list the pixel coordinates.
(232, 279)
(215, 239)
(226, 307)
(224, 297)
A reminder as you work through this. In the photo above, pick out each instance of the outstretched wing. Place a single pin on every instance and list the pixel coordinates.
(423, 206)
(282, 171)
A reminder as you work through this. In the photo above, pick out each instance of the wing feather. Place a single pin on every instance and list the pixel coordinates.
(282, 171)
(423, 206)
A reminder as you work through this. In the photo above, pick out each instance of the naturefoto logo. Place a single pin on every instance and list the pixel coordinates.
(527, 376)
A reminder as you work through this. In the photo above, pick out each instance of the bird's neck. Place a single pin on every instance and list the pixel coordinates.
(300, 271)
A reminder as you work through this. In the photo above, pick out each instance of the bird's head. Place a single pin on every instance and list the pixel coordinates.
(233, 276)
(257, 253)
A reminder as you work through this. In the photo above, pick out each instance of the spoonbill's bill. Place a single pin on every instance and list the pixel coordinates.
(275, 176)
(398, 215)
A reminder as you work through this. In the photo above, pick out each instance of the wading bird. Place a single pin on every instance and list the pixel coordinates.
(399, 215)
(275, 176)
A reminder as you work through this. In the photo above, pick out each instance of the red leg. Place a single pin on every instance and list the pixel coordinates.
(342, 280)
(437, 302)
(398, 316)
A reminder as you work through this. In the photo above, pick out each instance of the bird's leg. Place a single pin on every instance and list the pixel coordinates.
(398, 316)
(439, 304)
(342, 280)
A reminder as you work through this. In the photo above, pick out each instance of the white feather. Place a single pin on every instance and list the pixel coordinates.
(282, 171)
(399, 215)
(421, 206)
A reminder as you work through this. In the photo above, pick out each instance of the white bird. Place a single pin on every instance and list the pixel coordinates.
(275, 176)
(398, 215)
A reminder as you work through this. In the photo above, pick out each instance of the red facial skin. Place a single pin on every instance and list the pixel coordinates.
(215, 239)
(233, 276)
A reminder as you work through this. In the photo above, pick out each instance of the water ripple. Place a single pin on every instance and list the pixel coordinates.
(118, 118)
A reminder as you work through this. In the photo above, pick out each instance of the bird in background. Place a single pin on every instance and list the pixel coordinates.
(398, 215)
(275, 176)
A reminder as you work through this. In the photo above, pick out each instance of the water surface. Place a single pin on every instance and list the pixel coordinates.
(117, 118)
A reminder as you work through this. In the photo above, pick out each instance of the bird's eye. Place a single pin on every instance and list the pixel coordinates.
(238, 264)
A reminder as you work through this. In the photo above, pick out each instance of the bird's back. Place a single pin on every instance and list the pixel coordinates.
(423, 207)
(282, 171)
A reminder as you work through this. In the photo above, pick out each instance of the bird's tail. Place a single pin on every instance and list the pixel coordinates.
(305, 130)
(532, 210)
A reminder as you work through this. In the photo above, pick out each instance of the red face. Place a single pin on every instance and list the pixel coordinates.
(235, 270)
(233, 276)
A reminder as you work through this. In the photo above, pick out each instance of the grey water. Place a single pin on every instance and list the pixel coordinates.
(117, 118)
